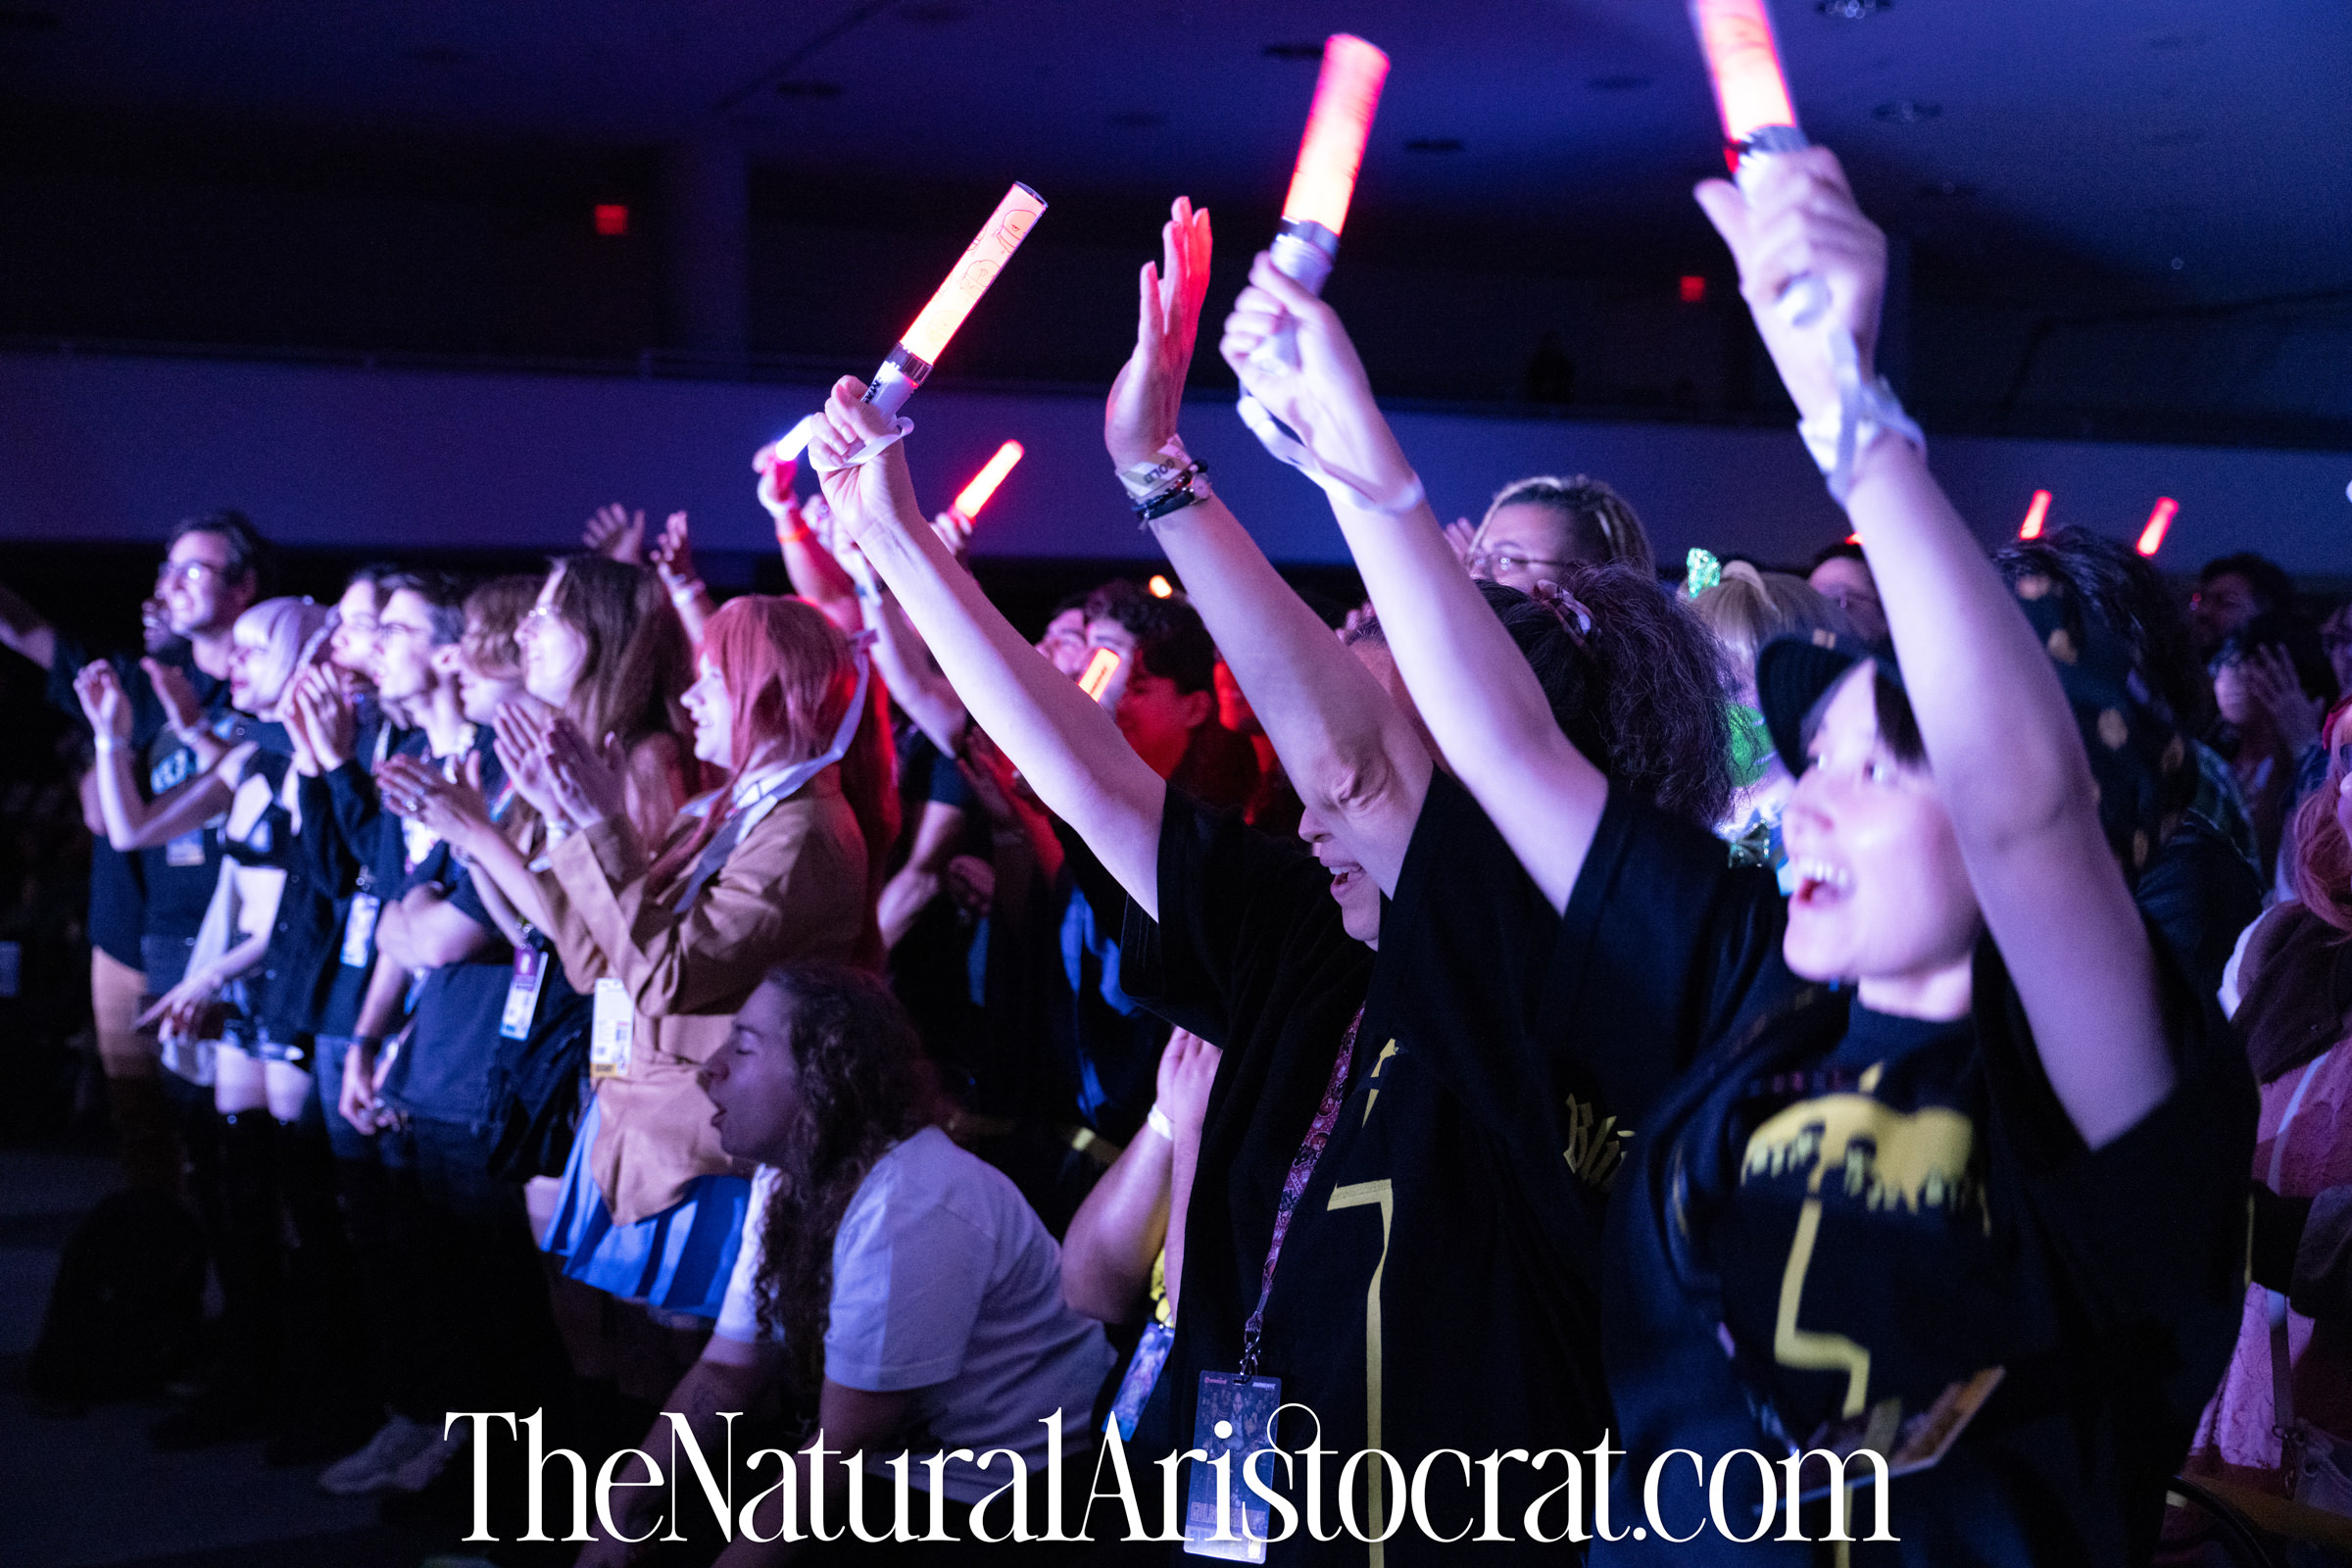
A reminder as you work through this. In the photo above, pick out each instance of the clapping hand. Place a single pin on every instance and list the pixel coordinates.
(522, 726)
(452, 811)
(589, 782)
(103, 701)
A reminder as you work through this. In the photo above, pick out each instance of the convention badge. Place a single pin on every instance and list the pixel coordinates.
(186, 850)
(1233, 1420)
(416, 841)
(612, 1031)
(522, 992)
(1917, 1443)
(1143, 1373)
(358, 930)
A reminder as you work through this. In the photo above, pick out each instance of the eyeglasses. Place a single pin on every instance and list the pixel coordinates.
(1503, 561)
(188, 571)
(401, 628)
(535, 619)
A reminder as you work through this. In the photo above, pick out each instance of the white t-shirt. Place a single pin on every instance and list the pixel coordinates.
(945, 1280)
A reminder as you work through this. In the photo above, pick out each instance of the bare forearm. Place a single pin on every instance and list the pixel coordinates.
(1347, 750)
(1107, 1257)
(380, 1010)
(25, 629)
(818, 578)
(1481, 700)
(1064, 743)
(927, 697)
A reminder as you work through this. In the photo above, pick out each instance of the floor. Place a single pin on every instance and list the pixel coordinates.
(81, 1492)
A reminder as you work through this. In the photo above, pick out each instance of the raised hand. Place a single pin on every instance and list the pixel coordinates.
(103, 702)
(955, 530)
(1461, 537)
(673, 555)
(319, 702)
(860, 492)
(616, 531)
(589, 783)
(173, 688)
(414, 788)
(775, 486)
(1187, 1067)
(521, 729)
(1797, 217)
(2273, 686)
(1326, 399)
(1148, 395)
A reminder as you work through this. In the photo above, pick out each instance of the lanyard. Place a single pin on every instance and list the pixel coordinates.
(1294, 1185)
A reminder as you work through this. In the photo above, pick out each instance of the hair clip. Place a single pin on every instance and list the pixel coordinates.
(1567, 606)
(1703, 571)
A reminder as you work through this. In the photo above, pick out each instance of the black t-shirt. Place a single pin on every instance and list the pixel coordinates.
(1418, 1303)
(1837, 1209)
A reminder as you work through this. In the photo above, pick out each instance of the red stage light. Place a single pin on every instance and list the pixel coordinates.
(612, 219)
(2151, 537)
(2039, 509)
(1695, 289)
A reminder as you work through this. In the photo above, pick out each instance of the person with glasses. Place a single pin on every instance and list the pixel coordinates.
(1945, 1140)
(1537, 528)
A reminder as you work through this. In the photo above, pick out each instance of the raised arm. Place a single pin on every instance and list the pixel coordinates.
(1351, 754)
(915, 682)
(132, 821)
(26, 630)
(808, 555)
(1476, 695)
(2000, 739)
(1068, 749)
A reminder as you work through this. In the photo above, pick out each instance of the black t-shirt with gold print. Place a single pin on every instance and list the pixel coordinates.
(1423, 1299)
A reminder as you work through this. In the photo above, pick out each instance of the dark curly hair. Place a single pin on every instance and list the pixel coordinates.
(862, 1088)
(1641, 693)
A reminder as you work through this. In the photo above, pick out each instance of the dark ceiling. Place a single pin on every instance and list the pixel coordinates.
(2062, 155)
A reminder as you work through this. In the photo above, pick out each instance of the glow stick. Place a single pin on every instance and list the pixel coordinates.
(2151, 537)
(1323, 181)
(2030, 528)
(1752, 97)
(1098, 670)
(974, 496)
(910, 361)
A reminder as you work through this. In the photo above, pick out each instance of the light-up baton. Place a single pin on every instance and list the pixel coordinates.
(1752, 96)
(1098, 670)
(1337, 127)
(919, 348)
(972, 497)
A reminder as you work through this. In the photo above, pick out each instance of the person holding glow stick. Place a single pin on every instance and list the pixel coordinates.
(1948, 1134)
(1442, 1174)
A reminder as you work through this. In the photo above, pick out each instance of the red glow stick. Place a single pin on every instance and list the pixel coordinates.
(2030, 528)
(2151, 537)
(974, 496)
(920, 349)
(1744, 66)
(1752, 95)
(1098, 670)
(1324, 180)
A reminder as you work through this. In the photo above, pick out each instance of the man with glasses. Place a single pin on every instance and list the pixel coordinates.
(146, 906)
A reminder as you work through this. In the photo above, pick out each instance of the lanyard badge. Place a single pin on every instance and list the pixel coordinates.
(522, 993)
(1235, 1418)
(611, 1032)
(358, 930)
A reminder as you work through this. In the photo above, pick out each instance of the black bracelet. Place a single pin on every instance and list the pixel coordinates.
(1174, 500)
(1156, 504)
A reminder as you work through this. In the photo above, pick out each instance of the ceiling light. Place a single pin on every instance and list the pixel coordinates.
(1906, 112)
(1851, 10)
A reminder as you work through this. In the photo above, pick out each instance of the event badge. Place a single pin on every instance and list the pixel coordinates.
(1911, 1444)
(612, 1031)
(523, 995)
(186, 850)
(416, 841)
(1143, 1374)
(1235, 1418)
(358, 930)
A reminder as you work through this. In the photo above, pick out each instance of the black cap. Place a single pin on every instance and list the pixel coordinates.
(1793, 673)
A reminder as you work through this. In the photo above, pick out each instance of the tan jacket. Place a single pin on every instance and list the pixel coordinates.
(794, 889)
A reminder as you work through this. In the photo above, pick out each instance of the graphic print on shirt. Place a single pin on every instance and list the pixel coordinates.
(1884, 1158)
(1381, 1195)
(1594, 1152)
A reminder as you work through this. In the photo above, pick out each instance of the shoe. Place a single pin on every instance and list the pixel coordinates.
(423, 1467)
(395, 1444)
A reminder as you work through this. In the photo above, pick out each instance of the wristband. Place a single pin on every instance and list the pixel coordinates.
(794, 537)
(1147, 479)
(684, 594)
(1158, 1120)
(1190, 488)
(108, 743)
